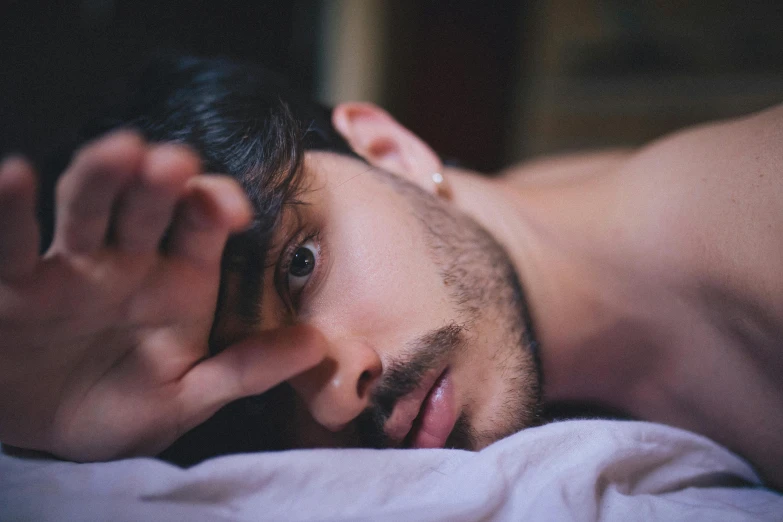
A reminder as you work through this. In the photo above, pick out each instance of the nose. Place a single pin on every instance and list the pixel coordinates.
(339, 389)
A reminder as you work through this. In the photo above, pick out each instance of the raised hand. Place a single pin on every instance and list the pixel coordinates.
(103, 339)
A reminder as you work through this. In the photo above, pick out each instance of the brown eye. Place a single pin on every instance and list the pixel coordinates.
(302, 263)
(301, 266)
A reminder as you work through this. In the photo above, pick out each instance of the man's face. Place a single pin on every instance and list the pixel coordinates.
(420, 308)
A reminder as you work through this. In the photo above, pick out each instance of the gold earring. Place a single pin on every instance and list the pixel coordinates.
(442, 188)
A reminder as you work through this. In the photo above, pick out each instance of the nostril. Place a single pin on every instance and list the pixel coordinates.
(365, 379)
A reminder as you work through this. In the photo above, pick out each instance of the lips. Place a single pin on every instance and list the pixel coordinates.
(437, 416)
(425, 417)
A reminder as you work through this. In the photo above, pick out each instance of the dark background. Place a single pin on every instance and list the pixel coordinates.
(485, 82)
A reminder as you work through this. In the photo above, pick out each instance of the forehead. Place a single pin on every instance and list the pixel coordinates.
(344, 179)
(326, 178)
(336, 173)
(336, 187)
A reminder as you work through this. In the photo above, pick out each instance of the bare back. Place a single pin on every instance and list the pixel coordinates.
(686, 237)
(710, 202)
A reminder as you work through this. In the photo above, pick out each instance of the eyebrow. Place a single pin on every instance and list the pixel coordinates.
(246, 258)
(251, 282)
(241, 285)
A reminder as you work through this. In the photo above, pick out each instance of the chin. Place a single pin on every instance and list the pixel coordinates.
(520, 411)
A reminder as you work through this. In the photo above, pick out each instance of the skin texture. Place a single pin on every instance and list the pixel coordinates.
(653, 277)
(381, 284)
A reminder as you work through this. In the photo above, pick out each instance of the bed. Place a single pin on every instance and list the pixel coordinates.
(571, 470)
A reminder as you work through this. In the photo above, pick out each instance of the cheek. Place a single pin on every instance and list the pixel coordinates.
(382, 281)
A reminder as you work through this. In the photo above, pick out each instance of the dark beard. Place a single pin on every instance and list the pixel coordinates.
(480, 276)
(402, 377)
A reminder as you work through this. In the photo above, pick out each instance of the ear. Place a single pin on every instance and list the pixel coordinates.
(384, 143)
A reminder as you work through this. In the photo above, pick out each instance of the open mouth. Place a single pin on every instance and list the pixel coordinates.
(437, 415)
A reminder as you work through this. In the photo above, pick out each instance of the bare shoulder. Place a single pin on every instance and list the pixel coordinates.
(717, 191)
(562, 167)
(706, 204)
(709, 200)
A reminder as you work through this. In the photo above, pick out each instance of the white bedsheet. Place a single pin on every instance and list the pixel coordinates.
(575, 470)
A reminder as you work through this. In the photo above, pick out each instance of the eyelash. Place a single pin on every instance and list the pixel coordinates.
(281, 278)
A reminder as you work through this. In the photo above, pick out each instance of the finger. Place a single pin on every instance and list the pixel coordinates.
(146, 209)
(250, 367)
(214, 207)
(18, 225)
(89, 189)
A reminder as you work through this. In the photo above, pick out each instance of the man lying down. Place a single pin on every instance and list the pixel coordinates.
(352, 290)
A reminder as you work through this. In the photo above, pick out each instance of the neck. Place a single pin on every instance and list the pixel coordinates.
(598, 340)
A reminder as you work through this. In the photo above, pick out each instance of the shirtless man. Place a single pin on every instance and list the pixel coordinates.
(402, 302)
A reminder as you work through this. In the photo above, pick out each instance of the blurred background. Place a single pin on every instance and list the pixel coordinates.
(486, 82)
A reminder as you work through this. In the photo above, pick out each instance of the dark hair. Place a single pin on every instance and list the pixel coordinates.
(244, 121)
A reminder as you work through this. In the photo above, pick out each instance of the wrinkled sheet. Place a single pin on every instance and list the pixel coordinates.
(574, 470)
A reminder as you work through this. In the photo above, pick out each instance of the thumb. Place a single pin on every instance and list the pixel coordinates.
(249, 367)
